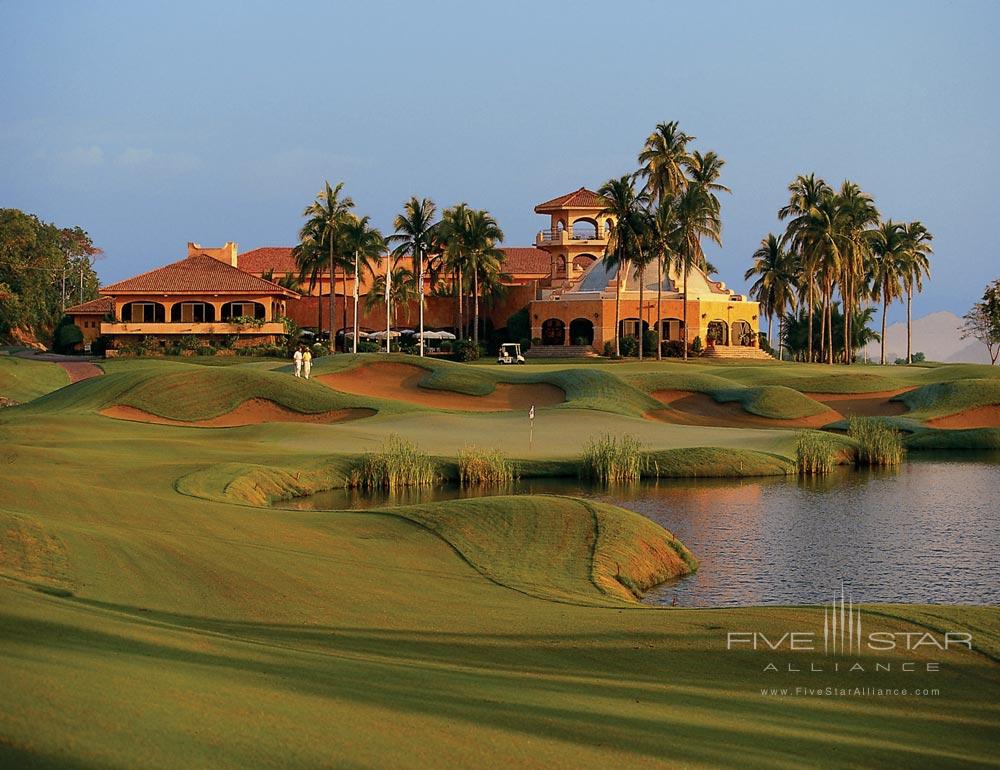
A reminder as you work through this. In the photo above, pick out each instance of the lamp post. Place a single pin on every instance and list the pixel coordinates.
(388, 304)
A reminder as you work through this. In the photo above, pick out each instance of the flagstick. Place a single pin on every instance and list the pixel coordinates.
(531, 427)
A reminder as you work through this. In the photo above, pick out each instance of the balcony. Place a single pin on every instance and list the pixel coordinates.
(562, 237)
(217, 327)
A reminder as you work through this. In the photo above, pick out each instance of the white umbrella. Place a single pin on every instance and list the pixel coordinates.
(431, 335)
(383, 335)
(446, 336)
(407, 331)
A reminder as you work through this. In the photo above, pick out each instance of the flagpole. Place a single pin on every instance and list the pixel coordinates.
(388, 317)
(354, 344)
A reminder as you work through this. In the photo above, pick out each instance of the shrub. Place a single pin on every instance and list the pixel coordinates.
(397, 463)
(628, 346)
(367, 346)
(878, 443)
(815, 453)
(696, 345)
(190, 342)
(581, 341)
(467, 350)
(649, 342)
(673, 349)
(206, 350)
(485, 467)
(68, 336)
(609, 349)
(612, 459)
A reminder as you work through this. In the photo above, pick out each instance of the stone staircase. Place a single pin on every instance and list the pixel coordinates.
(560, 351)
(736, 351)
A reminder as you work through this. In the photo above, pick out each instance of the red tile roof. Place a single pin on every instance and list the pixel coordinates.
(526, 259)
(276, 258)
(98, 306)
(578, 199)
(197, 274)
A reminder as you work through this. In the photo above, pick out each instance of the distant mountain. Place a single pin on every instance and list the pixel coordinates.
(937, 336)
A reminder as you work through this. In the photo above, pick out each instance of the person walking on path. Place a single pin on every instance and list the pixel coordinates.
(307, 362)
(297, 357)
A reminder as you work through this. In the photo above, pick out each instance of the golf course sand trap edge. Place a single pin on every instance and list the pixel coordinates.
(401, 382)
(987, 416)
(251, 412)
(692, 408)
(877, 404)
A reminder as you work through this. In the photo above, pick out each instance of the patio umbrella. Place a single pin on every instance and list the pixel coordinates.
(383, 335)
(446, 336)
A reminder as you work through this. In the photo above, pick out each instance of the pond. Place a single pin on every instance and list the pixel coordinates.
(928, 532)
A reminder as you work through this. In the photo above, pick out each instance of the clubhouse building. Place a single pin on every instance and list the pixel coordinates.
(561, 281)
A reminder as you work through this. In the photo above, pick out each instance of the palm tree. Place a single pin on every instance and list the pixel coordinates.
(857, 216)
(364, 244)
(625, 206)
(916, 265)
(664, 159)
(697, 218)
(414, 235)
(644, 256)
(402, 291)
(449, 233)
(661, 227)
(806, 192)
(706, 170)
(776, 273)
(311, 262)
(326, 216)
(479, 238)
(888, 248)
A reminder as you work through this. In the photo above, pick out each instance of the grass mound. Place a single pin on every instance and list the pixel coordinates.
(556, 547)
(193, 393)
(715, 462)
(945, 398)
(23, 380)
(971, 439)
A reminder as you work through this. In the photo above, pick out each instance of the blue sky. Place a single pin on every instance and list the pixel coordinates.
(151, 124)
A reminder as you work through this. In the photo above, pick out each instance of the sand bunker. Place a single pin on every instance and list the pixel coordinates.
(863, 404)
(80, 370)
(977, 417)
(251, 412)
(687, 408)
(401, 382)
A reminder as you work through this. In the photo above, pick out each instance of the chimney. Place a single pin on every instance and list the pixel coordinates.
(229, 253)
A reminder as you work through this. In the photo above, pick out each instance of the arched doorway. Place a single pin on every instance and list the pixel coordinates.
(553, 332)
(743, 334)
(143, 312)
(581, 332)
(718, 332)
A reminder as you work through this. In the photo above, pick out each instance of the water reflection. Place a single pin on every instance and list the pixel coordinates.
(927, 532)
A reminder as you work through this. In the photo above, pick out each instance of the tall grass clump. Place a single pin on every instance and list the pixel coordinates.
(613, 459)
(878, 443)
(815, 453)
(397, 463)
(484, 467)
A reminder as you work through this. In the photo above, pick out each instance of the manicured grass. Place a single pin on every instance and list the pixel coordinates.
(144, 627)
(943, 398)
(22, 380)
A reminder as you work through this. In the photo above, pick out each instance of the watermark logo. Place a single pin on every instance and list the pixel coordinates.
(841, 626)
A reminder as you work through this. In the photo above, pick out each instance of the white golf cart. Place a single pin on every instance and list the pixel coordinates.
(510, 353)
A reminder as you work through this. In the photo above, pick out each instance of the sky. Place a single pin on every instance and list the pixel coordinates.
(151, 124)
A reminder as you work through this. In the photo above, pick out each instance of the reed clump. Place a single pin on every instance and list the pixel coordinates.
(612, 459)
(878, 442)
(397, 463)
(816, 453)
(479, 466)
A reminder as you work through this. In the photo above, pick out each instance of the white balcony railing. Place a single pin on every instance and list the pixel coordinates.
(217, 327)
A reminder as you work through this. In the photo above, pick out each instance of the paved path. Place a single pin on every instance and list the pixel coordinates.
(77, 367)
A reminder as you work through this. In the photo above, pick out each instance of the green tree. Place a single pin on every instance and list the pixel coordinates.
(776, 274)
(915, 267)
(326, 217)
(415, 235)
(625, 205)
(888, 247)
(697, 218)
(982, 322)
(662, 231)
(363, 245)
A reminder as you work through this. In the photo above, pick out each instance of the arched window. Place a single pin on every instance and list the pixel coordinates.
(581, 331)
(244, 309)
(143, 312)
(192, 313)
(584, 229)
(743, 334)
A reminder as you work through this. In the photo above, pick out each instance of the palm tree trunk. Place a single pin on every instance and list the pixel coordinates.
(642, 336)
(781, 341)
(354, 341)
(460, 290)
(333, 305)
(811, 302)
(885, 307)
(659, 309)
(420, 297)
(846, 294)
(343, 317)
(618, 309)
(475, 307)
(909, 320)
(822, 327)
(829, 326)
(686, 335)
(770, 339)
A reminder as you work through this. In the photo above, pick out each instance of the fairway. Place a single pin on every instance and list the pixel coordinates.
(156, 613)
